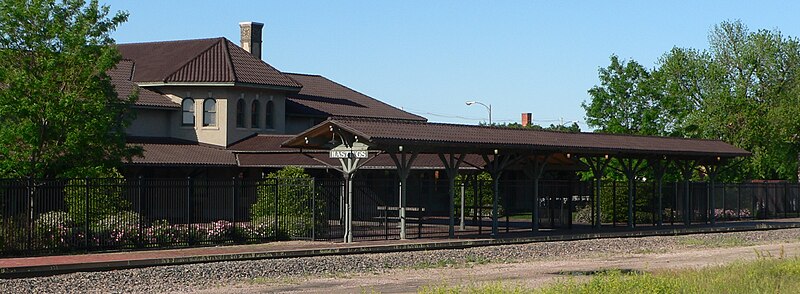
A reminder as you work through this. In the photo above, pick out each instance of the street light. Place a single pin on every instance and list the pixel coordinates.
(488, 107)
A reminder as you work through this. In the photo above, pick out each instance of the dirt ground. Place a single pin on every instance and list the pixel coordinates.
(529, 274)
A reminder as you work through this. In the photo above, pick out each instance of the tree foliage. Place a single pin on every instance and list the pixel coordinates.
(743, 90)
(287, 194)
(59, 114)
(103, 192)
(573, 128)
(627, 100)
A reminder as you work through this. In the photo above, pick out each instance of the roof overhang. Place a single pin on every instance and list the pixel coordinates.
(217, 84)
(423, 137)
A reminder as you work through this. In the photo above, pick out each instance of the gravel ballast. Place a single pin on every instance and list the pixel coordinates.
(185, 278)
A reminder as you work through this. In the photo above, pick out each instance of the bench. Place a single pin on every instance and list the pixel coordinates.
(417, 213)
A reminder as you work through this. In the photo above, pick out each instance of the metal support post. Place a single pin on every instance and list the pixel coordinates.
(461, 224)
(451, 164)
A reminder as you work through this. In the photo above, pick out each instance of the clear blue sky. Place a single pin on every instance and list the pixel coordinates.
(429, 57)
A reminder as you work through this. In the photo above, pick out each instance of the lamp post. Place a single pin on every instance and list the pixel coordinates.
(488, 107)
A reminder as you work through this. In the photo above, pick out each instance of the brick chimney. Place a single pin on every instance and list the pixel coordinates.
(527, 119)
(251, 37)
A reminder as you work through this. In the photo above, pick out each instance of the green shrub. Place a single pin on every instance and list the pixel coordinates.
(484, 194)
(293, 196)
(104, 194)
(614, 202)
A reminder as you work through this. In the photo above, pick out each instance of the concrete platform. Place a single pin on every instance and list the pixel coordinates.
(51, 265)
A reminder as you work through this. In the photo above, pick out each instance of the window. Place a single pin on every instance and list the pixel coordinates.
(269, 115)
(209, 112)
(240, 113)
(188, 112)
(254, 114)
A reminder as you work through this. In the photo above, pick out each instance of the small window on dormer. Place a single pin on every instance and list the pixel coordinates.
(269, 115)
(187, 107)
(209, 112)
(254, 116)
(240, 113)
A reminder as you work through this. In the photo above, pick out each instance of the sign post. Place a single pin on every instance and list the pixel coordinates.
(349, 156)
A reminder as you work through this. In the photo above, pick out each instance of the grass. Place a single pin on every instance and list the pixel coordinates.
(436, 264)
(767, 274)
(519, 216)
(496, 287)
(716, 242)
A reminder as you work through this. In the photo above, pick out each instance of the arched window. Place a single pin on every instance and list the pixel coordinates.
(254, 117)
(240, 113)
(209, 112)
(188, 112)
(269, 115)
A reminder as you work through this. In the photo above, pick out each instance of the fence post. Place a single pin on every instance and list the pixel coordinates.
(505, 209)
(614, 203)
(421, 211)
(753, 203)
(739, 201)
(233, 205)
(709, 202)
(724, 195)
(595, 190)
(189, 188)
(86, 214)
(674, 204)
(139, 211)
(276, 208)
(30, 191)
(477, 195)
(785, 199)
(313, 209)
(766, 200)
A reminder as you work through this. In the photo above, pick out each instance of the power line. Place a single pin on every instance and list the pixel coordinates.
(479, 119)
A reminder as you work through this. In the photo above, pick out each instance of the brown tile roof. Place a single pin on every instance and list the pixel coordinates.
(180, 153)
(262, 143)
(323, 97)
(444, 137)
(215, 60)
(382, 161)
(264, 151)
(121, 79)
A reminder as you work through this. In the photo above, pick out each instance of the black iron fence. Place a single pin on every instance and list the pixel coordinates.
(43, 217)
(97, 214)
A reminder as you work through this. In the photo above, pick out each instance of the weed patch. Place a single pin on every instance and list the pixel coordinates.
(716, 242)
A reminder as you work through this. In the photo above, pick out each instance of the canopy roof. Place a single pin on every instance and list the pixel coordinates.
(424, 137)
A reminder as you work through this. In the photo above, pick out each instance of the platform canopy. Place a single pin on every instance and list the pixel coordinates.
(440, 138)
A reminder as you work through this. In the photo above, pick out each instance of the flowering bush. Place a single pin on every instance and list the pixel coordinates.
(730, 214)
(54, 229)
(161, 232)
(218, 231)
(121, 228)
(264, 228)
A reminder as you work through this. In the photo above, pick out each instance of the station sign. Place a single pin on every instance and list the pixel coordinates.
(358, 150)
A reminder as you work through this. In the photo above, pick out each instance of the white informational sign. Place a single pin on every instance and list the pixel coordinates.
(358, 150)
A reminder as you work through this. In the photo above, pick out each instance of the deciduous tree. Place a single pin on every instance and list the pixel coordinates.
(59, 114)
